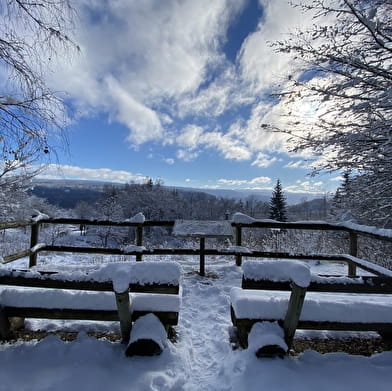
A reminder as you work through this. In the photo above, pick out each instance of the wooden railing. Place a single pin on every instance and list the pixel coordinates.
(236, 251)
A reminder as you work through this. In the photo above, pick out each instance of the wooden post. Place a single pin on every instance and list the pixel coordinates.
(202, 255)
(33, 242)
(294, 309)
(139, 240)
(4, 325)
(124, 314)
(352, 268)
(238, 242)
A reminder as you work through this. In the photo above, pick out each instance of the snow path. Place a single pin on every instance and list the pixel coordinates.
(204, 328)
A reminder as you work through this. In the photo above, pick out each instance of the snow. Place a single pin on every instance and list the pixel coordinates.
(278, 270)
(264, 334)
(238, 249)
(158, 272)
(131, 248)
(138, 218)
(202, 359)
(38, 216)
(372, 266)
(120, 273)
(345, 308)
(156, 302)
(241, 218)
(202, 228)
(367, 229)
(54, 298)
(37, 247)
(149, 327)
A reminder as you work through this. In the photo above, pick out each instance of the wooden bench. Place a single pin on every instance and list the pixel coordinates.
(121, 292)
(288, 293)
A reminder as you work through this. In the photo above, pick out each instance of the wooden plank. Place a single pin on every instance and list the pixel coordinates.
(155, 288)
(15, 224)
(62, 313)
(147, 223)
(55, 283)
(14, 257)
(246, 324)
(365, 284)
(49, 280)
(345, 326)
(294, 309)
(166, 317)
(4, 325)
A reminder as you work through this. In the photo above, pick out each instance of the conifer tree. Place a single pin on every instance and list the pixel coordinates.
(278, 204)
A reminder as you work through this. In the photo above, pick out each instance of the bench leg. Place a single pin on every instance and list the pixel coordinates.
(294, 309)
(4, 325)
(124, 314)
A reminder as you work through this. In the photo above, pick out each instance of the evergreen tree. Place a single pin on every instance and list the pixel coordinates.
(278, 204)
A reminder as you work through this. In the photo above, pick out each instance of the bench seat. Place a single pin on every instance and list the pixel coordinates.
(317, 307)
(113, 292)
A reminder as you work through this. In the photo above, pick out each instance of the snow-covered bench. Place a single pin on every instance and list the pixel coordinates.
(124, 292)
(288, 293)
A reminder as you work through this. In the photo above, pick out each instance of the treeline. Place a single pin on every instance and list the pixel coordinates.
(158, 202)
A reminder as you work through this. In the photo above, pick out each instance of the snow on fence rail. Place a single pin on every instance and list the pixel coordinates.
(239, 222)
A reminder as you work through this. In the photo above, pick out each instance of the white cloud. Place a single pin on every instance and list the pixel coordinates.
(252, 183)
(297, 164)
(306, 186)
(259, 63)
(193, 138)
(263, 160)
(141, 120)
(186, 155)
(169, 161)
(136, 55)
(260, 180)
(53, 171)
(190, 137)
(148, 66)
(337, 179)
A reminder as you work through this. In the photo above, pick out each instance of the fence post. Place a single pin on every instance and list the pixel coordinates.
(139, 240)
(33, 242)
(352, 268)
(202, 255)
(238, 242)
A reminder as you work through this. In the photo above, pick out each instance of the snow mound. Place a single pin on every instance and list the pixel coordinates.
(241, 218)
(278, 270)
(265, 334)
(138, 218)
(149, 327)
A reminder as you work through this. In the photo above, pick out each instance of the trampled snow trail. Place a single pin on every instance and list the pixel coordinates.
(204, 327)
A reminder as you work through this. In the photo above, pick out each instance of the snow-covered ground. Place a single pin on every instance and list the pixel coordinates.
(203, 358)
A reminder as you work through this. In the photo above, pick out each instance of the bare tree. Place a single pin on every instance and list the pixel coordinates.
(31, 33)
(343, 76)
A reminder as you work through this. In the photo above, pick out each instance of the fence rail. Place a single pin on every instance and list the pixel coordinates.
(238, 251)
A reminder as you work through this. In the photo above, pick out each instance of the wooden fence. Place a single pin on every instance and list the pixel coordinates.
(236, 251)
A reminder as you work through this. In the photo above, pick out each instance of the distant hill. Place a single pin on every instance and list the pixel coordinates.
(66, 193)
(260, 195)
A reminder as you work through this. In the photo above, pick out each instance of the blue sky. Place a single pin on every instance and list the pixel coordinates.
(178, 90)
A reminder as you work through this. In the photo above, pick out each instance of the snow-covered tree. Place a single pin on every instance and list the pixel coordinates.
(278, 204)
(31, 33)
(337, 102)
